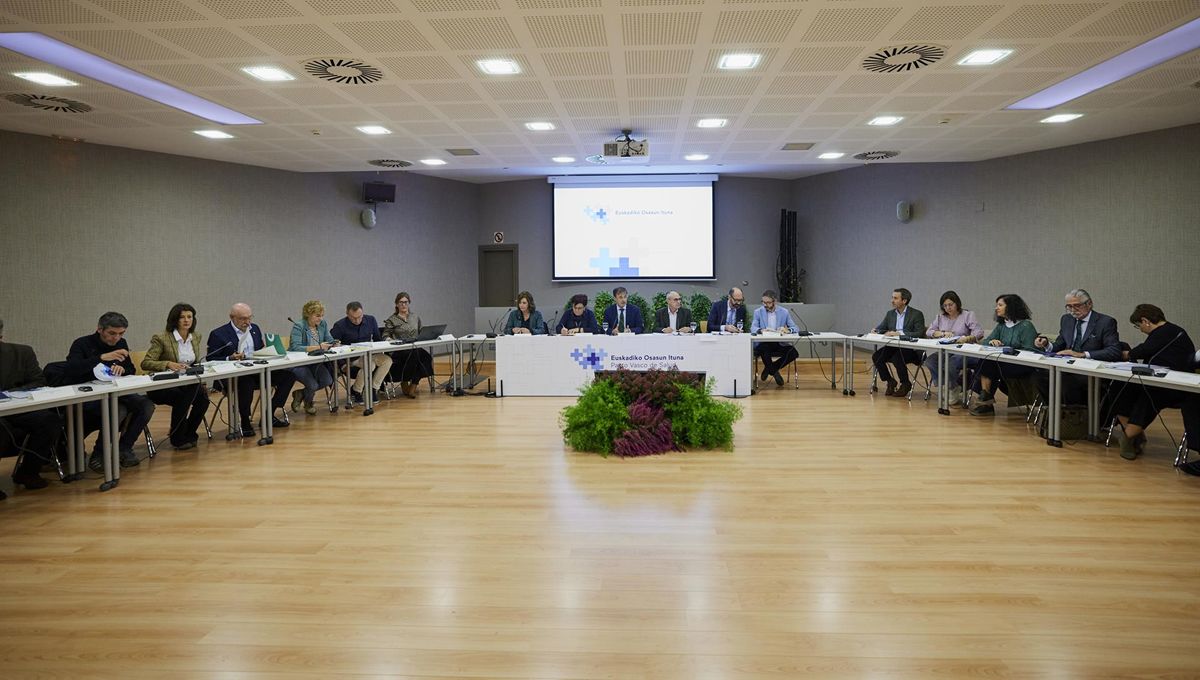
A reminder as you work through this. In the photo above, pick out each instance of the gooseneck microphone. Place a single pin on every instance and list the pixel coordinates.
(209, 355)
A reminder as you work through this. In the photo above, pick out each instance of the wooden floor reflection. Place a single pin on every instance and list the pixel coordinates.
(844, 537)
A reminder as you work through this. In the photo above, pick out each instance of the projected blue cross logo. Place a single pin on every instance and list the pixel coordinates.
(598, 215)
(589, 357)
(607, 265)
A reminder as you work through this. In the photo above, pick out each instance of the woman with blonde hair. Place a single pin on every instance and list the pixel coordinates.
(309, 334)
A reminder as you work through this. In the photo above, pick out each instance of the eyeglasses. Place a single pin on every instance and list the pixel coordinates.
(402, 302)
(1079, 305)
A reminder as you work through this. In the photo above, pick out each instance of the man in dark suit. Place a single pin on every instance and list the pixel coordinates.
(1083, 333)
(673, 317)
(108, 349)
(726, 314)
(621, 317)
(901, 319)
(19, 370)
(237, 340)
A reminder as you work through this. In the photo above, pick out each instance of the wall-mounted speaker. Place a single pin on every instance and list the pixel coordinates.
(367, 217)
(904, 211)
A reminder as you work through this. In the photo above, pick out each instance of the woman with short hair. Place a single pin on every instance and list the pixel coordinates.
(311, 334)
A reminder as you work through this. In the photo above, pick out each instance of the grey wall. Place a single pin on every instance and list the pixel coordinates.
(1117, 217)
(89, 228)
(745, 213)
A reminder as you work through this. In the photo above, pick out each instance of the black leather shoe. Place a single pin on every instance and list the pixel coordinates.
(30, 481)
(891, 389)
(279, 422)
(903, 390)
(96, 462)
(764, 375)
(185, 446)
(3, 495)
(247, 430)
(778, 378)
(129, 459)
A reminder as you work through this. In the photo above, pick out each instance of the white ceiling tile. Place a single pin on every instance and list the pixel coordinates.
(385, 36)
(1132, 19)
(953, 22)
(123, 44)
(754, 27)
(567, 30)
(560, 64)
(1042, 21)
(660, 28)
(475, 33)
(851, 24)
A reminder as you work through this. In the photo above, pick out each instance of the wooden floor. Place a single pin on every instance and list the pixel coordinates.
(456, 537)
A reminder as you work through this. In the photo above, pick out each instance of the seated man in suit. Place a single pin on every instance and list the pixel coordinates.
(725, 315)
(358, 326)
(1082, 333)
(19, 370)
(237, 340)
(899, 320)
(107, 346)
(673, 317)
(621, 317)
(774, 355)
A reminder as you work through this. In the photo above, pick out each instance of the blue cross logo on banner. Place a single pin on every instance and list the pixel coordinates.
(589, 357)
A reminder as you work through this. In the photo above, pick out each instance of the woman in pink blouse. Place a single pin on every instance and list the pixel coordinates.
(960, 325)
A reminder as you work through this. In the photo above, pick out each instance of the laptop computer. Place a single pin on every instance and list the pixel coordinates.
(428, 333)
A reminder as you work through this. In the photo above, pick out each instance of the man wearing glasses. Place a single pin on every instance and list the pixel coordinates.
(1083, 333)
(728, 315)
(236, 341)
(673, 317)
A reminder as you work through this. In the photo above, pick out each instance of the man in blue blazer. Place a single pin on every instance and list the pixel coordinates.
(238, 340)
(774, 355)
(725, 314)
(1083, 333)
(622, 317)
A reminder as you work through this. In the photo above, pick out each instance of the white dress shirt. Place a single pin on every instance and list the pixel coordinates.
(185, 352)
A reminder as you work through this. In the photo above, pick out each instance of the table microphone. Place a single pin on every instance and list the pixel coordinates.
(209, 355)
(796, 316)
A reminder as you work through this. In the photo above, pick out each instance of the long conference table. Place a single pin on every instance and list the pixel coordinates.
(559, 366)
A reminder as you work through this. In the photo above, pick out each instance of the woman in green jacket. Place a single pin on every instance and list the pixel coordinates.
(1013, 329)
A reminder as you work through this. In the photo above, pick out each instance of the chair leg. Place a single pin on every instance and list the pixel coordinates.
(150, 447)
(874, 379)
(1111, 428)
(1181, 454)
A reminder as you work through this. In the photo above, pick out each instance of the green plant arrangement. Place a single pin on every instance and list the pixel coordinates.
(659, 301)
(700, 304)
(638, 301)
(600, 303)
(642, 413)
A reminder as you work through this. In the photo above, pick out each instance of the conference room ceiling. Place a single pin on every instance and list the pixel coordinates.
(591, 68)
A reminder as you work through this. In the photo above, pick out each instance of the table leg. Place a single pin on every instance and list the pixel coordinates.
(1055, 407)
(108, 436)
(368, 370)
(264, 404)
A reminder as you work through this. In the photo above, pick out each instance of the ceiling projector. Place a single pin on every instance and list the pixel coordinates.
(626, 151)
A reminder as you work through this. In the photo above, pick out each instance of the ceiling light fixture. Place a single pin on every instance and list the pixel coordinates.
(433, 161)
(498, 67)
(984, 57)
(738, 62)
(563, 159)
(214, 134)
(696, 157)
(268, 73)
(884, 121)
(539, 126)
(47, 49)
(45, 79)
(711, 123)
(373, 130)
(1062, 118)
(831, 155)
(1147, 55)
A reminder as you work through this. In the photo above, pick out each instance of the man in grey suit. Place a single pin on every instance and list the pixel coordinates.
(673, 317)
(899, 320)
(1083, 333)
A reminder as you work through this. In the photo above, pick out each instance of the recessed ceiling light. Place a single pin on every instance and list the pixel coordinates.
(830, 155)
(540, 126)
(268, 73)
(696, 157)
(1149, 54)
(983, 57)
(563, 159)
(883, 121)
(433, 161)
(46, 79)
(737, 62)
(373, 130)
(498, 67)
(1062, 118)
(51, 51)
(214, 134)
(711, 123)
